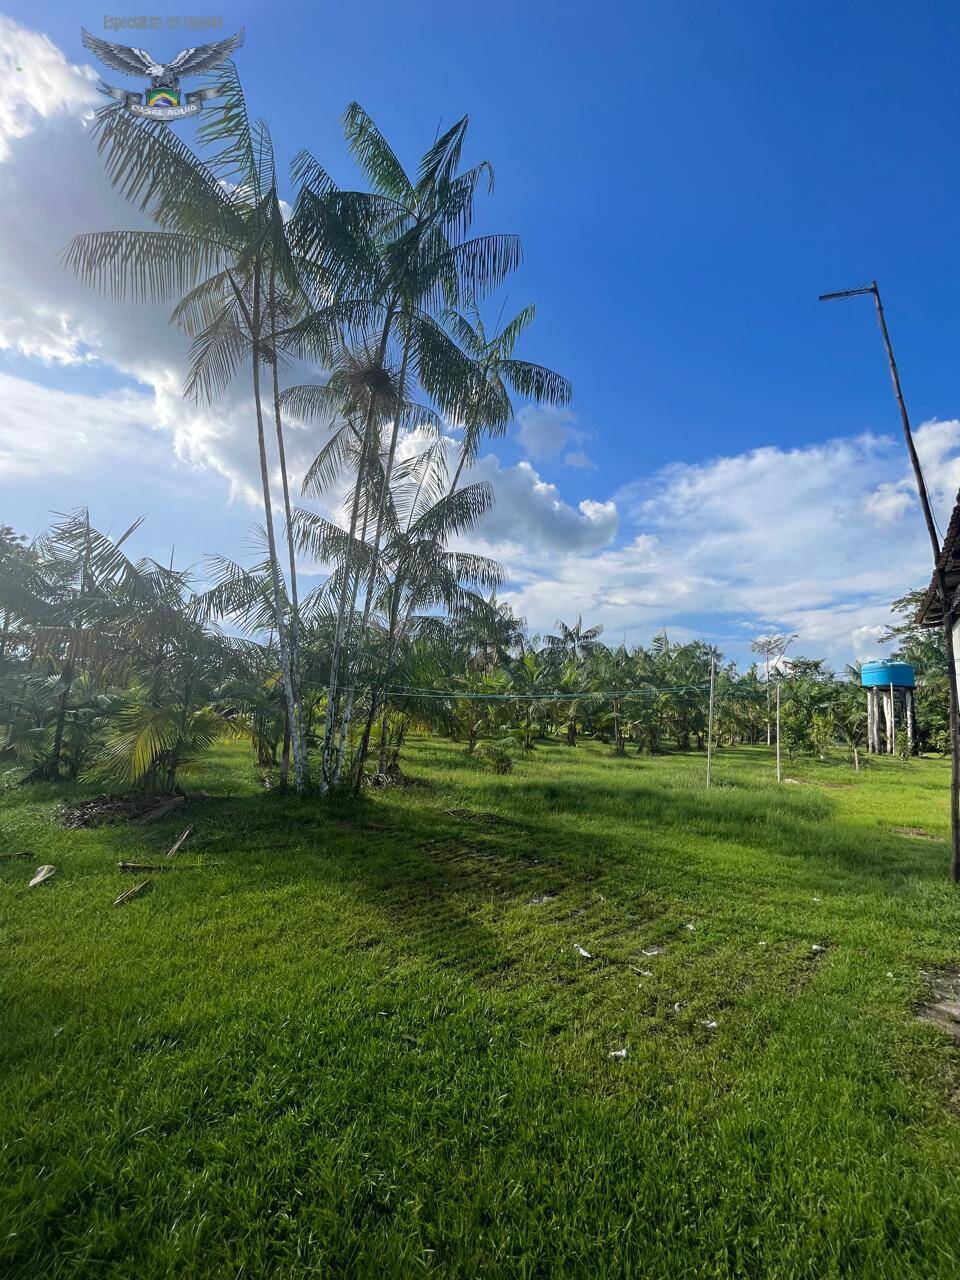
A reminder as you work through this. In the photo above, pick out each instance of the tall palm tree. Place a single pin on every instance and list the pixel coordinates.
(221, 250)
(399, 254)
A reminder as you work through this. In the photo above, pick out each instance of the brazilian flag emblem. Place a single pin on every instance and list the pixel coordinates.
(163, 97)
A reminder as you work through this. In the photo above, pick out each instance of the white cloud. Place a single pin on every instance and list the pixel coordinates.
(530, 514)
(544, 431)
(888, 502)
(47, 432)
(577, 458)
(817, 540)
(39, 81)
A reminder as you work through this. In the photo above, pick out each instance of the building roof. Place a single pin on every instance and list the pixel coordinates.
(930, 613)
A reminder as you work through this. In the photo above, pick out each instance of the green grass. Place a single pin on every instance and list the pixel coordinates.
(354, 1047)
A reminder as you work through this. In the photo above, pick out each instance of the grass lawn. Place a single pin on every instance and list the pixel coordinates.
(363, 1045)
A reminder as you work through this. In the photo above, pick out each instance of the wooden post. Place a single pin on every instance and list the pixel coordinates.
(713, 664)
(946, 600)
(911, 728)
(779, 772)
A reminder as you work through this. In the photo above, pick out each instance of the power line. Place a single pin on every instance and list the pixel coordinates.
(457, 695)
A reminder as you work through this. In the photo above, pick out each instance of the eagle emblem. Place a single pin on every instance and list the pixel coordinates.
(162, 99)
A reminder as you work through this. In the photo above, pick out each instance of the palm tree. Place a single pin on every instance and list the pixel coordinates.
(397, 254)
(574, 642)
(532, 677)
(416, 573)
(221, 250)
(113, 669)
(486, 403)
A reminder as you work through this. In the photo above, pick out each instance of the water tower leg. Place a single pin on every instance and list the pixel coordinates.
(875, 694)
(888, 720)
(911, 730)
(871, 715)
(893, 719)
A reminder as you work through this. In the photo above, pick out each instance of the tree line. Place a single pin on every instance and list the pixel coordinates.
(127, 671)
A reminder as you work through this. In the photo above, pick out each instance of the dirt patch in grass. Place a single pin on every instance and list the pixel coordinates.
(943, 1009)
(481, 819)
(915, 833)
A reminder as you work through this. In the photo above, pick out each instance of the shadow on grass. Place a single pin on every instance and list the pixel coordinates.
(433, 875)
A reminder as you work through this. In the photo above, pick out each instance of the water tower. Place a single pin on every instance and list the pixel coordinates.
(889, 687)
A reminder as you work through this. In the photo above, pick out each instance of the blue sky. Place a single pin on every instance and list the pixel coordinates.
(686, 179)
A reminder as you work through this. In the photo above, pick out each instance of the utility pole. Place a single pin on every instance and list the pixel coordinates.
(772, 646)
(946, 603)
(779, 773)
(713, 667)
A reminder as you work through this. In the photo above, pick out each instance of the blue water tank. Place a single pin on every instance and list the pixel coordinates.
(898, 674)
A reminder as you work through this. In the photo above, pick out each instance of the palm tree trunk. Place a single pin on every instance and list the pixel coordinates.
(285, 754)
(395, 628)
(378, 533)
(346, 605)
(52, 769)
(364, 747)
(272, 541)
(296, 711)
(459, 470)
(351, 583)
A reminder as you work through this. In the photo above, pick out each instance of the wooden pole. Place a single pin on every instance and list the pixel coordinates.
(946, 600)
(779, 772)
(870, 715)
(713, 666)
(911, 734)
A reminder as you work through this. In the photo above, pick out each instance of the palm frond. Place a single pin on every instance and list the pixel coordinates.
(375, 157)
(143, 266)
